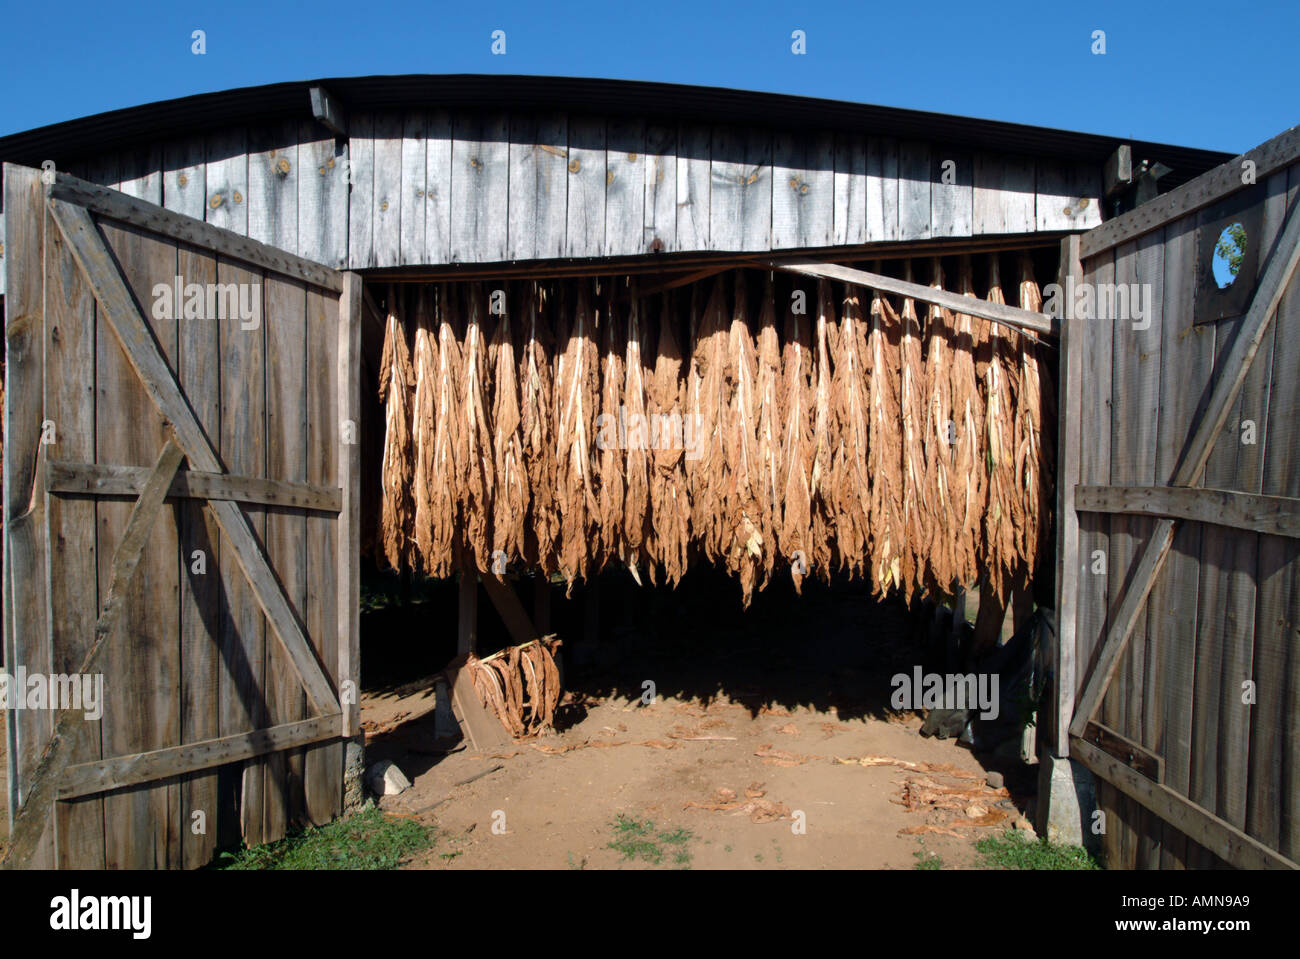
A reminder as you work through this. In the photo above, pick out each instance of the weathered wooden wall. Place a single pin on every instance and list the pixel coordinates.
(1225, 609)
(434, 188)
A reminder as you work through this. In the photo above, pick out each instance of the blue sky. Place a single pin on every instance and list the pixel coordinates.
(1215, 75)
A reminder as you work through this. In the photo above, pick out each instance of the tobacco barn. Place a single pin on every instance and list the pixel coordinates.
(534, 347)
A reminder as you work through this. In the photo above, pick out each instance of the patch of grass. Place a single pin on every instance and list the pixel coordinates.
(365, 840)
(577, 865)
(1011, 850)
(925, 859)
(641, 840)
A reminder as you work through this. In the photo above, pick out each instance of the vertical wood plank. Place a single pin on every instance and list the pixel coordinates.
(141, 173)
(324, 761)
(184, 176)
(226, 180)
(850, 189)
(660, 188)
(585, 220)
(284, 802)
(322, 198)
(142, 824)
(349, 468)
(803, 190)
(414, 171)
(202, 601)
(882, 190)
(694, 160)
(914, 172)
(740, 192)
(361, 197)
(388, 189)
(951, 204)
(25, 611)
(624, 187)
(1003, 194)
(480, 188)
(437, 188)
(273, 185)
(1068, 195)
(71, 588)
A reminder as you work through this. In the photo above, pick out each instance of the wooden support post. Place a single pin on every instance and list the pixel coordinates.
(467, 615)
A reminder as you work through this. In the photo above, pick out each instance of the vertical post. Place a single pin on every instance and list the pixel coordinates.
(1067, 536)
(467, 614)
(349, 480)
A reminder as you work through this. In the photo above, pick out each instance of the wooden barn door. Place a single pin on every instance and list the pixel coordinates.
(1180, 523)
(180, 503)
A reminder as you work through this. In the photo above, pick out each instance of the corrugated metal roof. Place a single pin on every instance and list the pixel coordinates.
(654, 101)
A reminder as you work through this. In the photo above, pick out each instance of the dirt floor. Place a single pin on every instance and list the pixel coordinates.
(734, 765)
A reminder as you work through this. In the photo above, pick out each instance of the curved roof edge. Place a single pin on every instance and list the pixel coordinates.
(666, 101)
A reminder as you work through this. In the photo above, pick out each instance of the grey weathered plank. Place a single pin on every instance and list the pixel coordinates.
(624, 188)
(141, 173)
(72, 585)
(184, 176)
(414, 203)
(694, 153)
(198, 371)
(226, 180)
(915, 169)
(1277, 515)
(480, 188)
(1004, 194)
(324, 762)
(143, 660)
(850, 189)
(584, 234)
(105, 480)
(322, 199)
(803, 190)
(85, 779)
(437, 188)
(349, 478)
(273, 176)
(287, 344)
(882, 189)
(740, 191)
(1067, 195)
(539, 183)
(361, 195)
(951, 203)
(387, 208)
(660, 228)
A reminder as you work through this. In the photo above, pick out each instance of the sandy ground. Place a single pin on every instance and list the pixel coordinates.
(557, 809)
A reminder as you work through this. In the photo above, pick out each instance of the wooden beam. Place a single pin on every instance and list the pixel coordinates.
(512, 612)
(1277, 274)
(348, 541)
(86, 779)
(1132, 754)
(29, 823)
(1069, 460)
(958, 303)
(1274, 515)
(328, 112)
(483, 730)
(141, 350)
(97, 479)
(1208, 188)
(1217, 835)
(177, 226)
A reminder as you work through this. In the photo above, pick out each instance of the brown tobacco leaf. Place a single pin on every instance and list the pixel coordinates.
(796, 401)
(577, 394)
(884, 449)
(610, 480)
(510, 504)
(536, 426)
(636, 551)
(478, 489)
(396, 391)
(670, 513)
(915, 497)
